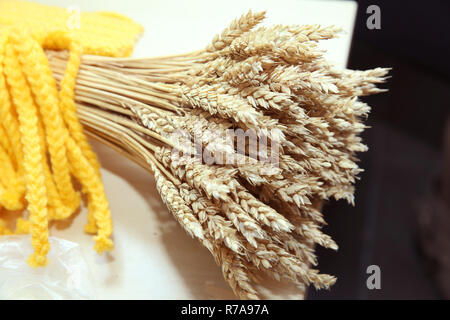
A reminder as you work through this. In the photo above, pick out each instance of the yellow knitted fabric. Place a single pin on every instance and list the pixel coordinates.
(42, 144)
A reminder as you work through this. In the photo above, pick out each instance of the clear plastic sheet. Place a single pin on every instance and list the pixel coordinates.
(65, 277)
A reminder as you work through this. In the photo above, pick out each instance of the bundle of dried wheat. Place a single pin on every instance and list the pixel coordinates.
(256, 209)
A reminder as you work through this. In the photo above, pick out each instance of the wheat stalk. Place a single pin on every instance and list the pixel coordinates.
(254, 215)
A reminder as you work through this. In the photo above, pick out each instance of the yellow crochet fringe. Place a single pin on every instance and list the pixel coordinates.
(42, 144)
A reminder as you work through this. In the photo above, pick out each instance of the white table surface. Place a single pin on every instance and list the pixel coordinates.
(153, 258)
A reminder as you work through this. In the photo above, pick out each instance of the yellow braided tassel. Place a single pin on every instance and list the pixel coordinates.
(45, 92)
(7, 115)
(34, 171)
(11, 188)
(42, 144)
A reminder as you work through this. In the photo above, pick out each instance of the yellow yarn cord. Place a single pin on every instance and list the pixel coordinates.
(42, 144)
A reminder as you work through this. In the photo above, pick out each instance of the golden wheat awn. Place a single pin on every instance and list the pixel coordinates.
(254, 216)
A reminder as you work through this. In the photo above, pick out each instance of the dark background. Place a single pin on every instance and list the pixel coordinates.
(405, 160)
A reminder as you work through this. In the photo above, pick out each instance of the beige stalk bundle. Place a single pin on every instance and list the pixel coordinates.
(255, 215)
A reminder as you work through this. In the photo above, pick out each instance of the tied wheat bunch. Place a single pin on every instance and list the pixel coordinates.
(257, 210)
